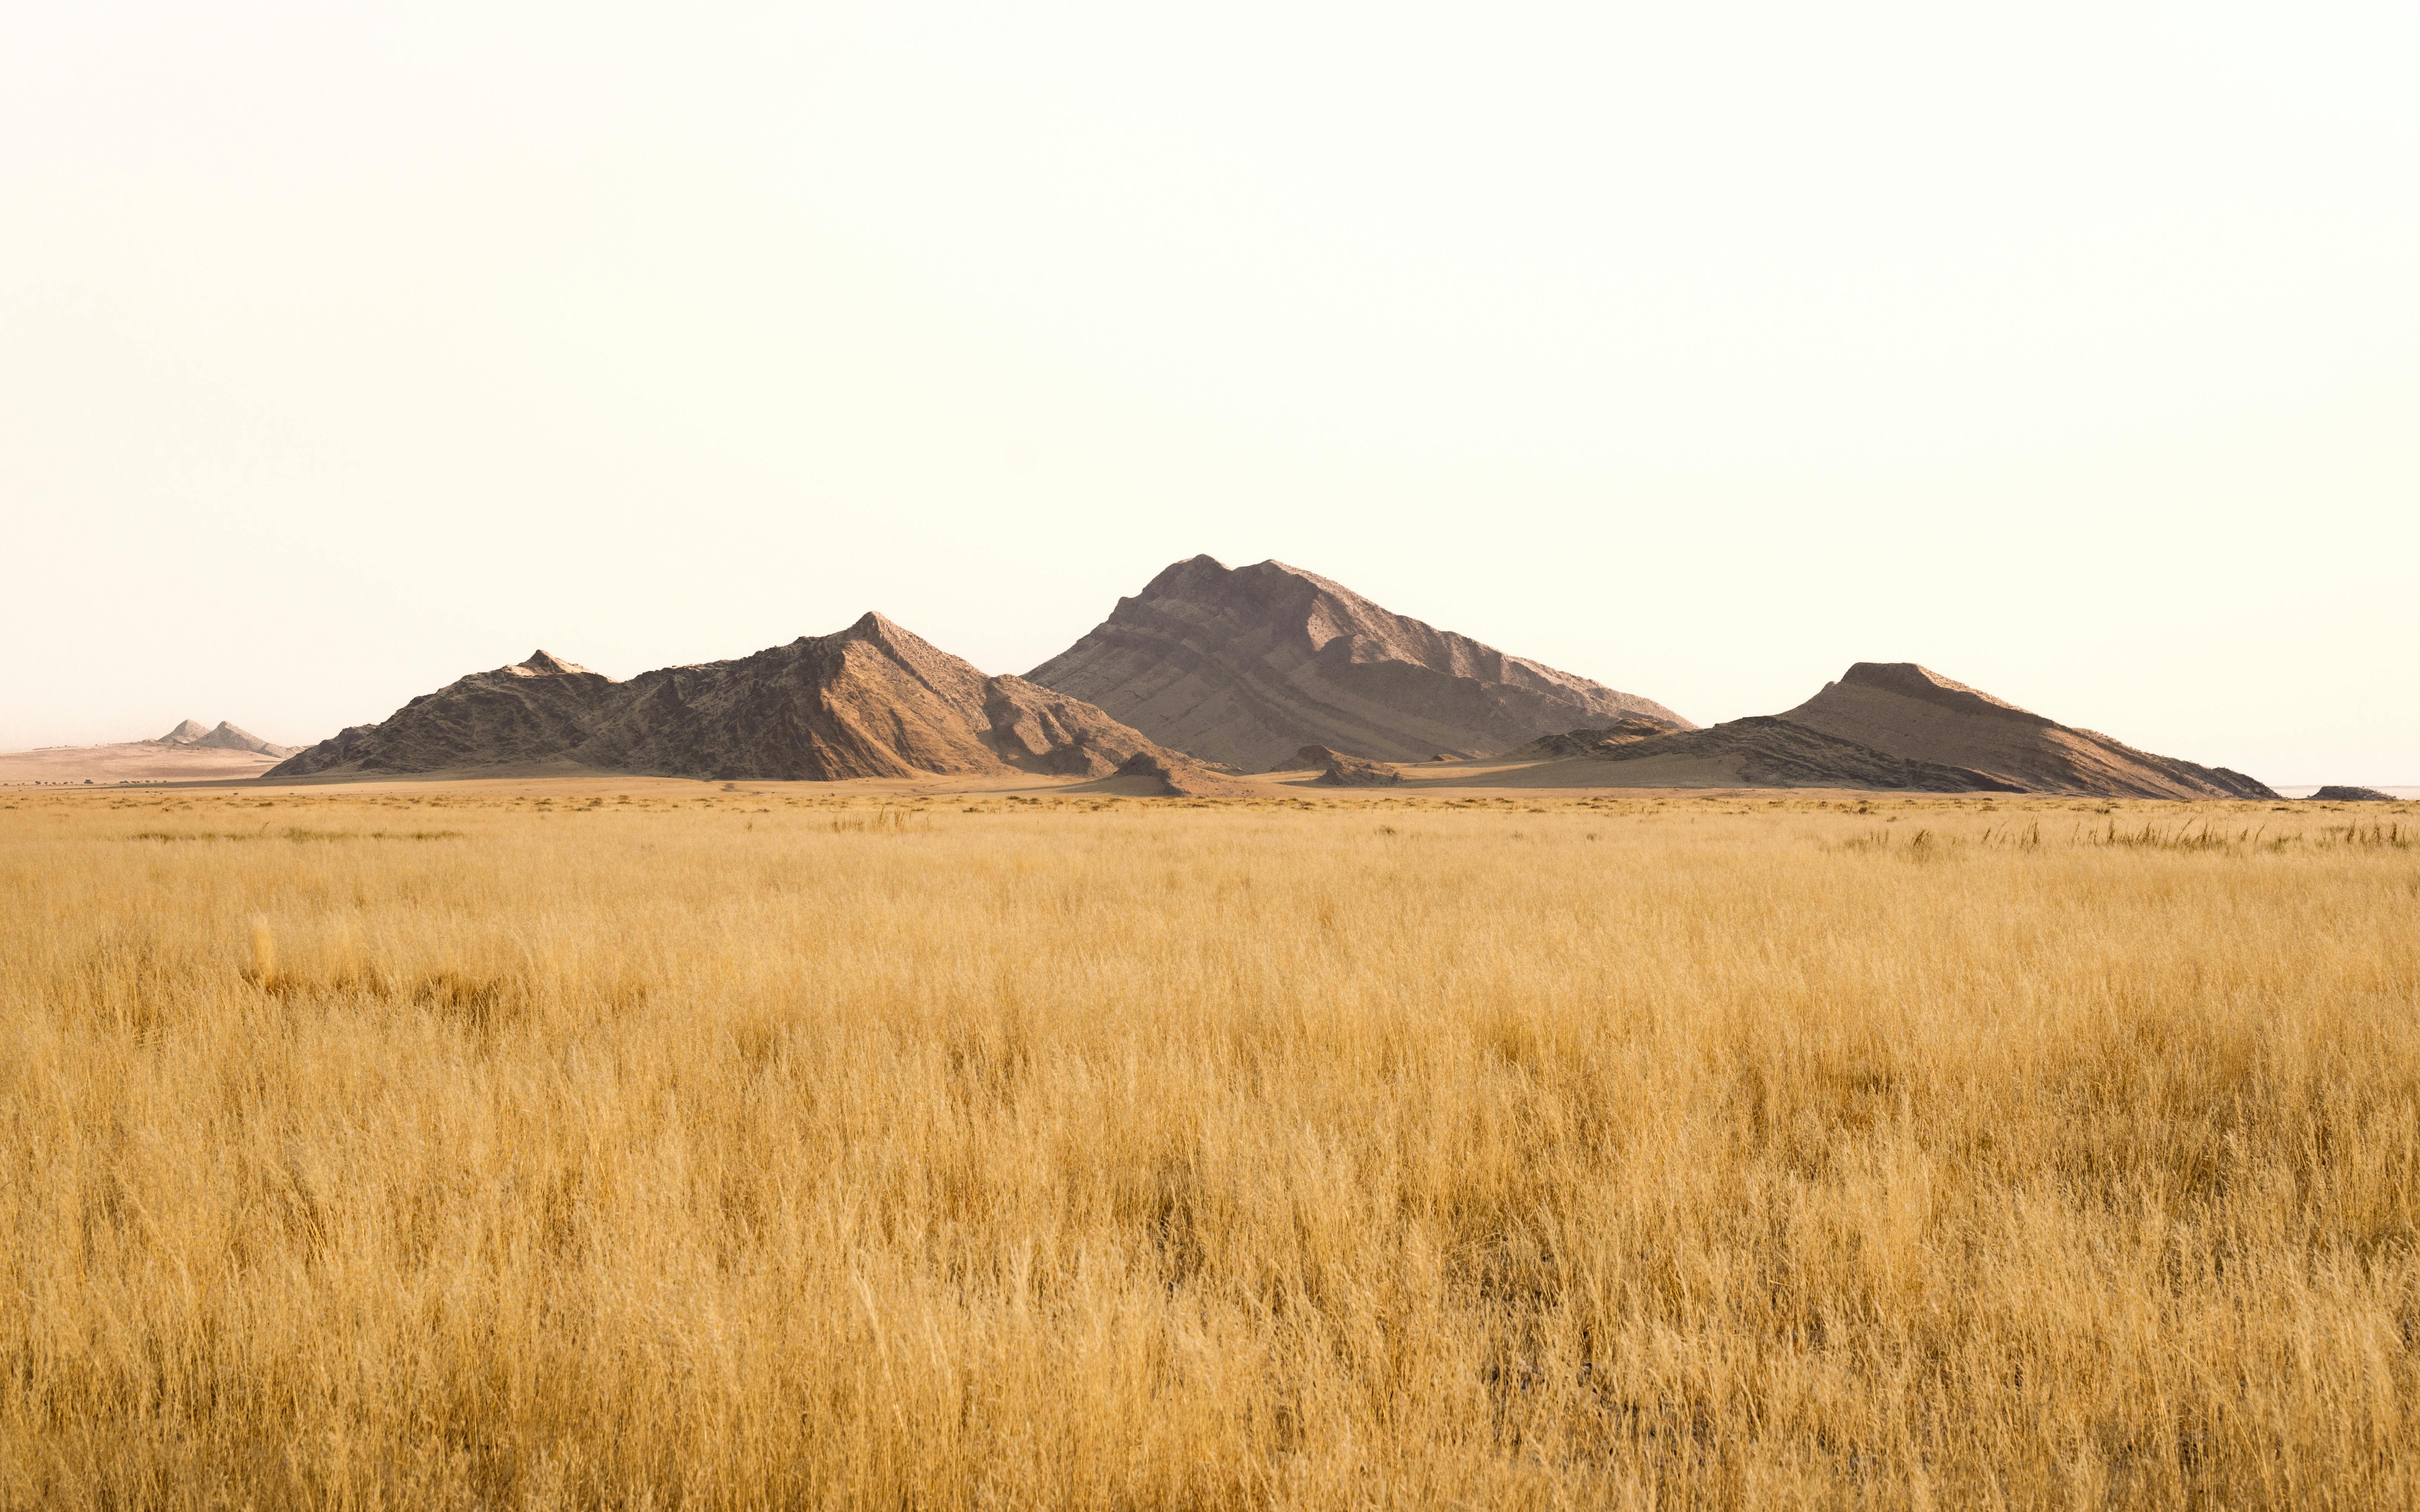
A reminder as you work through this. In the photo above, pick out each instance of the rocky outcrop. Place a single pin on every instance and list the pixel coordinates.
(2339, 795)
(1243, 666)
(1592, 743)
(1179, 776)
(1338, 770)
(1916, 714)
(871, 701)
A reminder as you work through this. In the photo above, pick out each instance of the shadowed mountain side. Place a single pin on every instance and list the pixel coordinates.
(1244, 666)
(1759, 751)
(871, 701)
(1912, 712)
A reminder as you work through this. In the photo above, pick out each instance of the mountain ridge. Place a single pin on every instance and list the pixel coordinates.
(1247, 665)
(872, 699)
(1911, 712)
(190, 733)
(1887, 726)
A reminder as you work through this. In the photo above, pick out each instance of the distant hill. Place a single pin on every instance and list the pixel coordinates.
(1245, 666)
(226, 737)
(1912, 712)
(1893, 726)
(132, 761)
(871, 701)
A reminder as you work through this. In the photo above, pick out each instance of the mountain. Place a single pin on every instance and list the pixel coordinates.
(1916, 714)
(1893, 726)
(189, 733)
(1245, 666)
(870, 701)
(229, 737)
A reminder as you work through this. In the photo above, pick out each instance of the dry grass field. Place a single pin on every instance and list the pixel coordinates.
(764, 1148)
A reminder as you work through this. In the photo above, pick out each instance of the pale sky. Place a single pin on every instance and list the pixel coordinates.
(2071, 350)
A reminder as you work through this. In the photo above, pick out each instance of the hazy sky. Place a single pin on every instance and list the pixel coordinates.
(2073, 351)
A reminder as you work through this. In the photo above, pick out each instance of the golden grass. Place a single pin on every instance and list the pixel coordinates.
(751, 1150)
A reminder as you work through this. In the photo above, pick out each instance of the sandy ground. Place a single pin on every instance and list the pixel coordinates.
(134, 760)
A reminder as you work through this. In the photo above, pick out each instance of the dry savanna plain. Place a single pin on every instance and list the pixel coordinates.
(620, 1143)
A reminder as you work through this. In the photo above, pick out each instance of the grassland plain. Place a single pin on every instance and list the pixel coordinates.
(681, 1147)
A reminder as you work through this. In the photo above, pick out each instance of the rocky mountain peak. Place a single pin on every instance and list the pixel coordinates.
(547, 664)
(874, 700)
(1246, 665)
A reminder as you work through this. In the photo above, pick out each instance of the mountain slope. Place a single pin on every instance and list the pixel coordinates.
(870, 701)
(232, 738)
(1248, 665)
(1760, 750)
(1916, 714)
(536, 712)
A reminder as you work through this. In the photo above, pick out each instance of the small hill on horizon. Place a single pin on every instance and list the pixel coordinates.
(190, 732)
(1893, 726)
(1245, 666)
(871, 701)
(188, 753)
(1913, 713)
